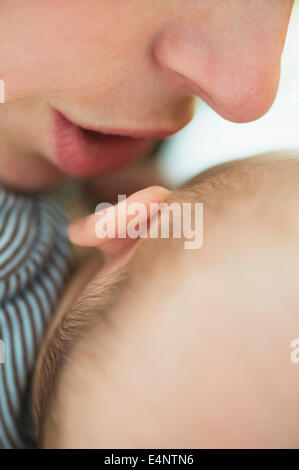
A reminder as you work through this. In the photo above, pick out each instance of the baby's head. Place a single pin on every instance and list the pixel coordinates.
(173, 348)
(77, 72)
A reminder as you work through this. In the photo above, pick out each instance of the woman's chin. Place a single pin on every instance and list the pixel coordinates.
(28, 174)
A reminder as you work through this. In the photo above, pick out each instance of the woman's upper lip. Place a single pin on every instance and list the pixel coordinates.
(142, 133)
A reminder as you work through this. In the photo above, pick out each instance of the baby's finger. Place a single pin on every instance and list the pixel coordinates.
(87, 232)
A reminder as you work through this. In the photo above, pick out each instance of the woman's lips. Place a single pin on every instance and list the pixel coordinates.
(83, 153)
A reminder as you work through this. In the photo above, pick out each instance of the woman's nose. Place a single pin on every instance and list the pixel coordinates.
(236, 71)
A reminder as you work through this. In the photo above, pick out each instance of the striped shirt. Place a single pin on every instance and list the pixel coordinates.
(34, 265)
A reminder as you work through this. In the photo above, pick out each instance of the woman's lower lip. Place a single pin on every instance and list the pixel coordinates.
(82, 154)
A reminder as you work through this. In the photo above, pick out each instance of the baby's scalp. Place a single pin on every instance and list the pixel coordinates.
(164, 310)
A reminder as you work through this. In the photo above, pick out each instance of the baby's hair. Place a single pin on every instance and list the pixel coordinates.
(91, 308)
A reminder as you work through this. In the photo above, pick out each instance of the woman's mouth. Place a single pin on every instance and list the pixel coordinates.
(83, 153)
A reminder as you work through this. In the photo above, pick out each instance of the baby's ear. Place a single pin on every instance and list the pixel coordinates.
(109, 227)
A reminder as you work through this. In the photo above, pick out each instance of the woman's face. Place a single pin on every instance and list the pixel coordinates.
(90, 84)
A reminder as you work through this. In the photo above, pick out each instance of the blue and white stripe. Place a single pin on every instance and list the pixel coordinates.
(34, 265)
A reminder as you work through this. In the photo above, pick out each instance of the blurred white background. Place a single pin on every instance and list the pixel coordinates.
(209, 139)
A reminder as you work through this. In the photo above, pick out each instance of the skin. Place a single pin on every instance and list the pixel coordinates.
(73, 55)
(210, 368)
